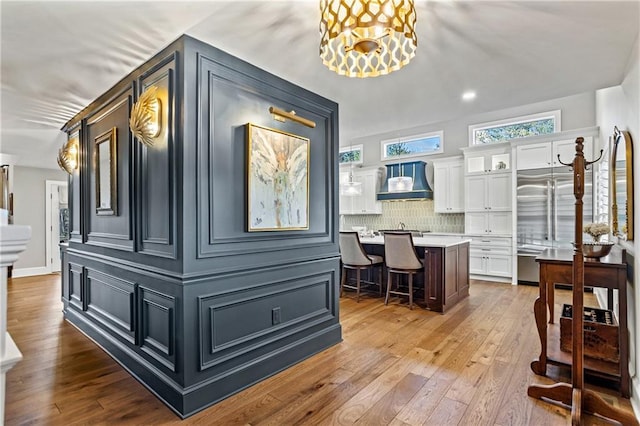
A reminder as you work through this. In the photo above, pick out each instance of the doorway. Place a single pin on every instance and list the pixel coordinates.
(56, 221)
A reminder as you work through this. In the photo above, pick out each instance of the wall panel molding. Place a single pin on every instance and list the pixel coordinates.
(157, 195)
(219, 86)
(112, 231)
(110, 300)
(76, 285)
(261, 314)
(158, 326)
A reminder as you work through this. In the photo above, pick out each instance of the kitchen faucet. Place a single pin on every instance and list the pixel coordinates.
(401, 225)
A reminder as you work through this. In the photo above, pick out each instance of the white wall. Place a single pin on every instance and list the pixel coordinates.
(578, 111)
(631, 89)
(29, 209)
(620, 106)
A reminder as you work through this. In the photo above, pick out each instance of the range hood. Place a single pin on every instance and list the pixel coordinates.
(397, 185)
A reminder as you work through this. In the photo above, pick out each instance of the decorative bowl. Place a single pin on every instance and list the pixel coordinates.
(596, 250)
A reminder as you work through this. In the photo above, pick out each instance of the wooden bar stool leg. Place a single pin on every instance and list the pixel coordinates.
(343, 280)
(380, 281)
(410, 291)
(386, 299)
(358, 285)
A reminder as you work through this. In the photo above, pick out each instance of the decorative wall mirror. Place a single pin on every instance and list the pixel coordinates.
(105, 165)
(622, 184)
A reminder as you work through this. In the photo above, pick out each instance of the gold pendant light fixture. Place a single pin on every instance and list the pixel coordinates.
(367, 38)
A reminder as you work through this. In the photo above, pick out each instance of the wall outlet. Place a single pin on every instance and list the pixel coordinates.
(275, 316)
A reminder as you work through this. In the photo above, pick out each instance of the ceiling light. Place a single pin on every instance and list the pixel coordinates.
(468, 96)
(367, 38)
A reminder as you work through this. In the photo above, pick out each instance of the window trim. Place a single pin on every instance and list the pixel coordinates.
(384, 143)
(351, 148)
(555, 114)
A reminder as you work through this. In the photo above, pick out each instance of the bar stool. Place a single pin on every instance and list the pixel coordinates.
(401, 258)
(354, 257)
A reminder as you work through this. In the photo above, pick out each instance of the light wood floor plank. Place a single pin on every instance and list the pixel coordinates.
(395, 366)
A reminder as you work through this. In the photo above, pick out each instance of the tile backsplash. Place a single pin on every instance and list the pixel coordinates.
(417, 215)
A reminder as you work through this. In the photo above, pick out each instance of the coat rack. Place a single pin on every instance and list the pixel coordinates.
(575, 395)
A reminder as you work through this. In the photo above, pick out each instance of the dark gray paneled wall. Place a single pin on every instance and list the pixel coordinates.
(173, 286)
(230, 98)
(158, 200)
(110, 231)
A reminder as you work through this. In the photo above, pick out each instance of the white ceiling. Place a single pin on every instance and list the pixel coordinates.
(57, 57)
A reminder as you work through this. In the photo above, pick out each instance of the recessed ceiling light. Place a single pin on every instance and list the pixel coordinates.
(468, 96)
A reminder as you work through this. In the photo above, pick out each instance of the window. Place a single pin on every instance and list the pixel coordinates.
(512, 128)
(413, 146)
(350, 155)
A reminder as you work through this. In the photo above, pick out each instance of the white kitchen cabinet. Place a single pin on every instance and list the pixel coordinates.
(567, 150)
(545, 154)
(448, 191)
(493, 223)
(490, 257)
(483, 263)
(490, 192)
(488, 195)
(366, 202)
(534, 156)
(487, 161)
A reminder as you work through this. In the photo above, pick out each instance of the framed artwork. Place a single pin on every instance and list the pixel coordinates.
(278, 180)
(105, 164)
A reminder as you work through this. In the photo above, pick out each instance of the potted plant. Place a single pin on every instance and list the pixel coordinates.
(596, 248)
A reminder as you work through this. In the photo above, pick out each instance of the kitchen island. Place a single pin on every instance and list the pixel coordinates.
(446, 268)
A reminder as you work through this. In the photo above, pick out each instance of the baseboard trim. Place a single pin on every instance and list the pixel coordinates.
(490, 278)
(29, 272)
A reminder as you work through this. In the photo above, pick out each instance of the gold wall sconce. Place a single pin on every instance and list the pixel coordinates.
(68, 154)
(282, 115)
(146, 117)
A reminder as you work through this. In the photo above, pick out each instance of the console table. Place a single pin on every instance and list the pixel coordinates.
(609, 272)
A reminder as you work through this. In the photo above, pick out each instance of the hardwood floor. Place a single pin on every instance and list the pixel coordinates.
(395, 366)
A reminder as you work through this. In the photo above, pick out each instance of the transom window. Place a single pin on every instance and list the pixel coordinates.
(413, 146)
(350, 155)
(513, 128)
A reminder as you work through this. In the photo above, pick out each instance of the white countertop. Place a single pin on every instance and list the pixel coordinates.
(428, 241)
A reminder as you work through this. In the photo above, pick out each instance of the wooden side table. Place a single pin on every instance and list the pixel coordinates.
(609, 272)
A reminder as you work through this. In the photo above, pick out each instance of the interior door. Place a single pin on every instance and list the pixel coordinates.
(55, 229)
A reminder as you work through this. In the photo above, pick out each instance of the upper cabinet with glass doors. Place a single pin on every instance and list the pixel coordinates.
(494, 158)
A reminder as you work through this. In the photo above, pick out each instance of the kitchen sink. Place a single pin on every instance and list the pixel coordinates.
(414, 232)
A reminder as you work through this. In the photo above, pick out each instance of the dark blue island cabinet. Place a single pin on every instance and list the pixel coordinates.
(193, 260)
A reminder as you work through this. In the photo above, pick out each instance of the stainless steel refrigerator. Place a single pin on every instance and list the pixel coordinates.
(546, 214)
